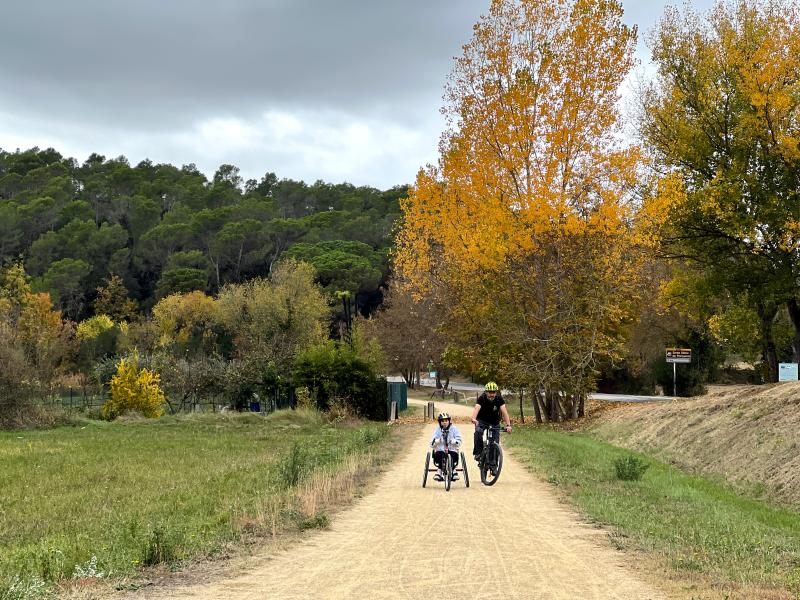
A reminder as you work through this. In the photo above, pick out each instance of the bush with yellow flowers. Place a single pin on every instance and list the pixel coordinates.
(134, 389)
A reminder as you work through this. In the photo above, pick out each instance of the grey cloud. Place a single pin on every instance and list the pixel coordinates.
(154, 62)
(145, 78)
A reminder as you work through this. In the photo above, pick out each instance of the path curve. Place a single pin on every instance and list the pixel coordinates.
(513, 540)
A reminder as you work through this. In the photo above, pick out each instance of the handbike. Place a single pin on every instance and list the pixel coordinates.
(449, 469)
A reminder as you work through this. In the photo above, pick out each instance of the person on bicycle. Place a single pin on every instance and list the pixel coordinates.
(489, 408)
(445, 431)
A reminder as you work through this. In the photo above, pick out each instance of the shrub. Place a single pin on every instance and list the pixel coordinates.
(134, 388)
(303, 397)
(159, 547)
(333, 372)
(630, 468)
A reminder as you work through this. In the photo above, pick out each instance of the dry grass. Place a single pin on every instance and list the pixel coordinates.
(747, 435)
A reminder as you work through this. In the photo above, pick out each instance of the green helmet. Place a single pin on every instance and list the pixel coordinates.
(491, 387)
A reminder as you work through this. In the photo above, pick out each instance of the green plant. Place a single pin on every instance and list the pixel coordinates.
(318, 521)
(630, 468)
(295, 466)
(334, 372)
(159, 547)
(22, 589)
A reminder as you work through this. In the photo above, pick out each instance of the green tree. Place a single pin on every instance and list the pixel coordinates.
(184, 272)
(342, 265)
(721, 119)
(64, 282)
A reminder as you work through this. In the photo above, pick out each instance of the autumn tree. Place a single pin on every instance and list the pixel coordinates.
(186, 323)
(405, 327)
(113, 301)
(721, 119)
(525, 228)
(36, 343)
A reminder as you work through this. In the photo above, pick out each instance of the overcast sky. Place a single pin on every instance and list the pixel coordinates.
(340, 90)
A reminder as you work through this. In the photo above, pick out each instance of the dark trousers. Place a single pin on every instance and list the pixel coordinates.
(479, 429)
(438, 458)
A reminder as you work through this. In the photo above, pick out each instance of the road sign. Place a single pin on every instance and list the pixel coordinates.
(679, 355)
(787, 372)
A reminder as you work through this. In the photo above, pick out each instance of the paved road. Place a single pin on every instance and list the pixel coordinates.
(471, 388)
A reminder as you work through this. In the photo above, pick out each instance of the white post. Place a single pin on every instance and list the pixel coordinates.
(674, 381)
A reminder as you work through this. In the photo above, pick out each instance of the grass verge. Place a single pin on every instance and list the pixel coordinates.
(103, 500)
(692, 525)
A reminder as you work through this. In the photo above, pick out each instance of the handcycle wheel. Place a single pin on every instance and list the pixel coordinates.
(464, 468)
(448, 472)
(490, 470)
(425, 473)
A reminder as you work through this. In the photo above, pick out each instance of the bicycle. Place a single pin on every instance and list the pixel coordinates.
(449, 469)
(490, 460)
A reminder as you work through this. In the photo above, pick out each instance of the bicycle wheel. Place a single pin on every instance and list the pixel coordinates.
(448, 472)
(425, 473)
(464, 468)
(494, 465)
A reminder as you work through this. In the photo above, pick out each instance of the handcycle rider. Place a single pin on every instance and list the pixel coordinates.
(489, 408)
(445, 431)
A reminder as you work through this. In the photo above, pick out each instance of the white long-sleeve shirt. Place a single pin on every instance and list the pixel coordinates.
(453, 437)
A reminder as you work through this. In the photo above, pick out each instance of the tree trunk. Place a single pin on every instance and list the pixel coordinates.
(794, 315)
(573, 408)
(239, 262)
(537, 411)
(521, 413)
(582, 406)
(553, 406)
(766, 313)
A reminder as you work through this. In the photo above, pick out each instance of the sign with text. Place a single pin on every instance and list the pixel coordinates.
(787, 372)
(679, 355)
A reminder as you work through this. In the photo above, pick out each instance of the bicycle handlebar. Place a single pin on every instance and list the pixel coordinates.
(495, 428)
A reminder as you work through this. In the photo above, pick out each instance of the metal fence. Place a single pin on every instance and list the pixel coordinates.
(91, 399)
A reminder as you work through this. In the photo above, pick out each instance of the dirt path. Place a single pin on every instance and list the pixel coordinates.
(513, 540)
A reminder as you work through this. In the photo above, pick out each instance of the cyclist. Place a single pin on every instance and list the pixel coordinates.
(489, 407)
(445, 431)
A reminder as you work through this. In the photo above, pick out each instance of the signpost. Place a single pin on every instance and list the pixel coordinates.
(675, 356)
(787, 372)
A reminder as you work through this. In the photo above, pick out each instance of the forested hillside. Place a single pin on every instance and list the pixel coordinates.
(164, 229)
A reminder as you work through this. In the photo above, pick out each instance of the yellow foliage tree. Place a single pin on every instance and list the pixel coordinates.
(134, 389)
(186, 320)
(93, 327)
(525, 229)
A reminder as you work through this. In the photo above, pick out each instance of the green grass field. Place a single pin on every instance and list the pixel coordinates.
(111, 497)
(696, 525)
